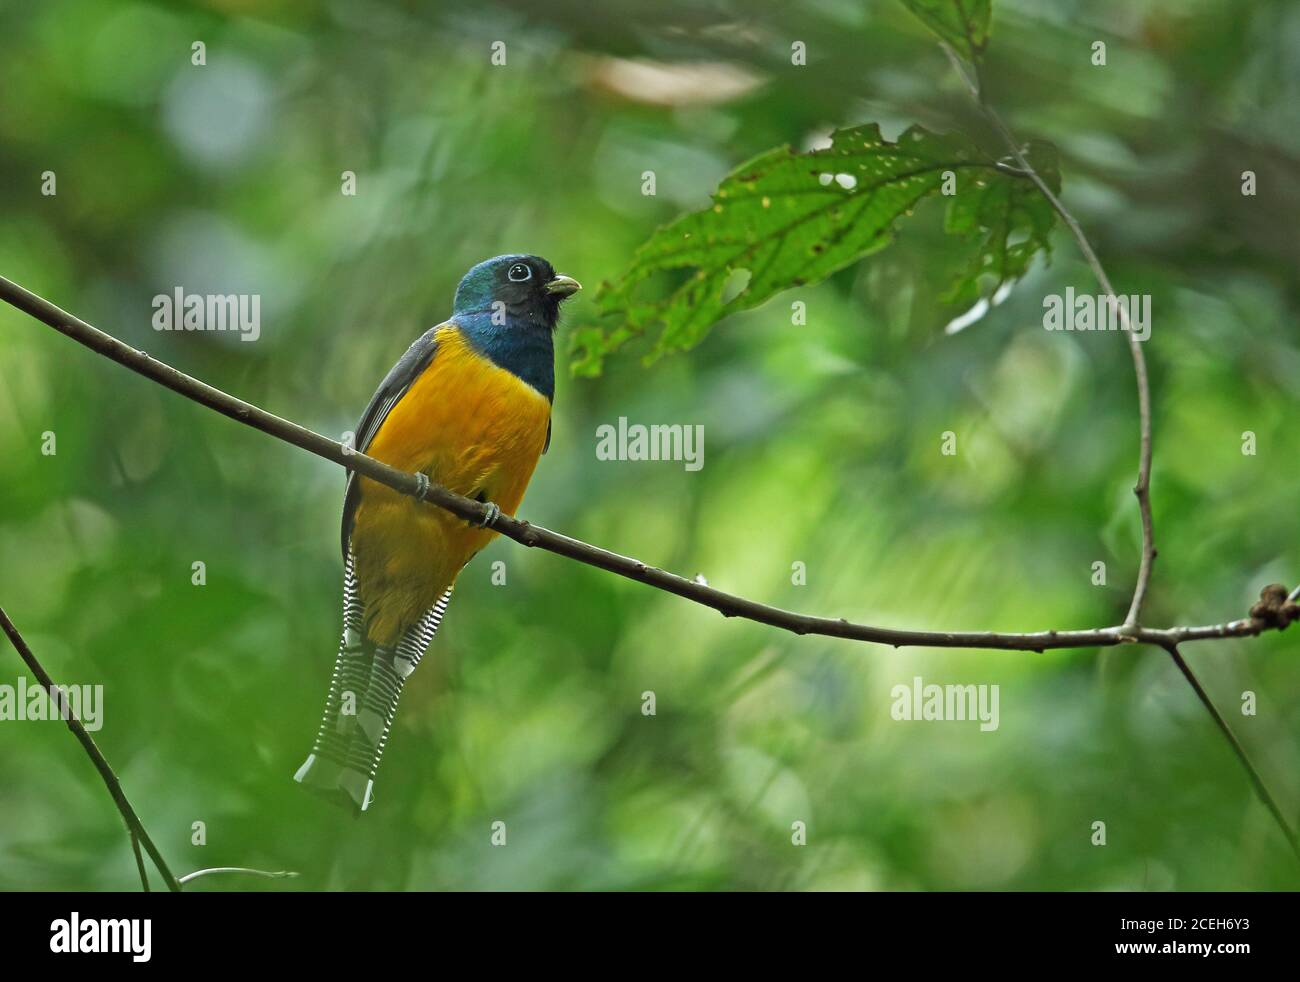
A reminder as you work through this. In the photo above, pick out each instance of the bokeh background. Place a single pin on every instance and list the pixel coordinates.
(822, 447)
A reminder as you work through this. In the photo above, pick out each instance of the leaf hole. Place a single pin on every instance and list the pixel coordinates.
(736, 284)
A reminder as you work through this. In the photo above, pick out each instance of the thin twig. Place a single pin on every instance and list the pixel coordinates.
(133, 824)
(534, 536)
(139, 861)
(277, 875)
(1130, 627)
(1261, 789)
(1142, 489)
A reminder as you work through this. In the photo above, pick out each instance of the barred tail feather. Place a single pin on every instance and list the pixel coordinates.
(388, 674)
(325, 771)
(362, 701)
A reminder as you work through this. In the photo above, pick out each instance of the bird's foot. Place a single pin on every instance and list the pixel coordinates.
(422, 485)
(491, 513)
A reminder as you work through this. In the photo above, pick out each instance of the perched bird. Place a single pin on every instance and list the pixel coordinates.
(469, 406)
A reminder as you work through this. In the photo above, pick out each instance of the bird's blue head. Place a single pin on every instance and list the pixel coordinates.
(525, 289)
(508, 307)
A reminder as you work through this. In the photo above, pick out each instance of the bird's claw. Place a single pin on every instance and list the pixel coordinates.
(422, 485)
(492, 511)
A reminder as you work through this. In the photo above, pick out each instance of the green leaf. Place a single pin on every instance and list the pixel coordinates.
(788, 219)
(964, 24)
(1009, 221)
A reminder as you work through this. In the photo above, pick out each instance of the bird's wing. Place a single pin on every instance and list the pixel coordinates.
(394, 386)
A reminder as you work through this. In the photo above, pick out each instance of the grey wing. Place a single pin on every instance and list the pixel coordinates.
(394, 386)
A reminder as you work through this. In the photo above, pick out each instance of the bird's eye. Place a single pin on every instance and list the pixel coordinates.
(519, 272)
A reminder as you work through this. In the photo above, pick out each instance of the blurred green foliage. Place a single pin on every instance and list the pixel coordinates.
(822, 449)
(963, 24)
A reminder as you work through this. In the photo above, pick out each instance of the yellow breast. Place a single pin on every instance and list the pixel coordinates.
(472, 427)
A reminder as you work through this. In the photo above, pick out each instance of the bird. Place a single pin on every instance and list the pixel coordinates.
(468, 406)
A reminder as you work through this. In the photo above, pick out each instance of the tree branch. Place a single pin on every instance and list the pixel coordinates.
(133, 824)
(1270, 607)
(134, 827)
(1261, 789)
(139, 862)
(1142, 489)
(534, 536)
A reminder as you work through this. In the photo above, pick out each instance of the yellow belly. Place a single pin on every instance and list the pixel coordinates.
(472, 427)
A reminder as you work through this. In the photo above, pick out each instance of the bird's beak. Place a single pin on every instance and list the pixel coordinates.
(563, 286)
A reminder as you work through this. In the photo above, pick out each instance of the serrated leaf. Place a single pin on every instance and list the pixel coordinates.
(790, 219)
(964, 24)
